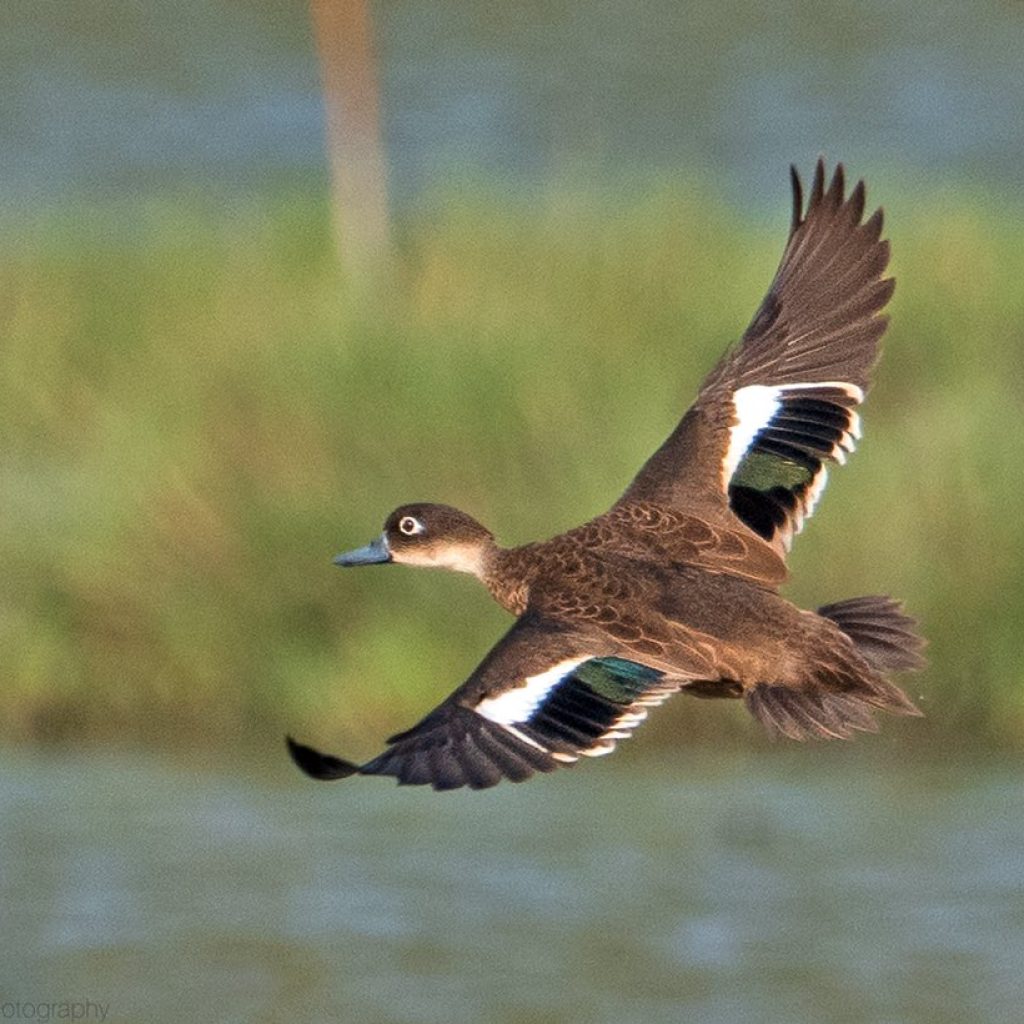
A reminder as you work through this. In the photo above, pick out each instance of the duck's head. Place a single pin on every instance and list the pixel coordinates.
(431, 535)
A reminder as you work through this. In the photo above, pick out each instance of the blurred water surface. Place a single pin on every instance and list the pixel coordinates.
(819, 885)
(114, 96)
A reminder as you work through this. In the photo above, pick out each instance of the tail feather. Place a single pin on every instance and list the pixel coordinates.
(839, 697)
(814, 714)
(885, 637)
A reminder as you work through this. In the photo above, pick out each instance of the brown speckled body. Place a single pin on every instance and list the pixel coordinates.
(668, 587)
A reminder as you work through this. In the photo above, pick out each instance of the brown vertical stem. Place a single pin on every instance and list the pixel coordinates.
(344, 37)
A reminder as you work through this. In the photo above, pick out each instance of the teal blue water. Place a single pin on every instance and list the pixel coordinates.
(813, 884)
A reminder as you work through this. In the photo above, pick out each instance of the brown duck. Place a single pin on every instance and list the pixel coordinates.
(674, 589)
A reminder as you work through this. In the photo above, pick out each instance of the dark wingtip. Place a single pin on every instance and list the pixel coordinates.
(837, 189)
(833, 193)
(325, 767)
(856, 202)
(818, 184)
(798, 197)
(875, 223)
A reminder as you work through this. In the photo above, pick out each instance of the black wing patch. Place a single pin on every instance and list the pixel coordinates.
(585, 711)
(781, 438)
(579, 707)
(452, 747)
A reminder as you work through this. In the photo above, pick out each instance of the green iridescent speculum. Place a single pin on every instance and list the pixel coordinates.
(761, 472)
(616, 679)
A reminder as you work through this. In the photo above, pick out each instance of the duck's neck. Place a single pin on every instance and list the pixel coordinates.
(506, 574)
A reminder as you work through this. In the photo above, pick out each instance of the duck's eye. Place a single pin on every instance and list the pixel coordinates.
(410, 526)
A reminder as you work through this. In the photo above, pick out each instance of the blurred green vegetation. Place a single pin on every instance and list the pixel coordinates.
(197, 414)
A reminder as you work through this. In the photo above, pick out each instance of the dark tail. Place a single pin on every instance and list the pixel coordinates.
(884, 636)
(839, 698)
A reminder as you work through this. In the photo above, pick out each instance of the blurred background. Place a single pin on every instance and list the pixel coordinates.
(270, 270)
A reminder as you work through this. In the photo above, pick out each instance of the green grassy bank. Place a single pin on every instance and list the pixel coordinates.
(196, 414)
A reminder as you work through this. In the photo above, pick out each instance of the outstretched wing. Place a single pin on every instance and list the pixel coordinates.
(782, 404)
(543, 697)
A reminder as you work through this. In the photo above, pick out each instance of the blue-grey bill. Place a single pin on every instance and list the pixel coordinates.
(373, 553)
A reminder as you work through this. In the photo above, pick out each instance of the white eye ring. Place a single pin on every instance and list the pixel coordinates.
(410, 526)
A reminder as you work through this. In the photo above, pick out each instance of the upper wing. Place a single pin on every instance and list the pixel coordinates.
(781, 404)
(542, 697)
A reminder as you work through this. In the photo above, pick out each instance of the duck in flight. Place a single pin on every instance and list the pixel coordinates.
(675, 588)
